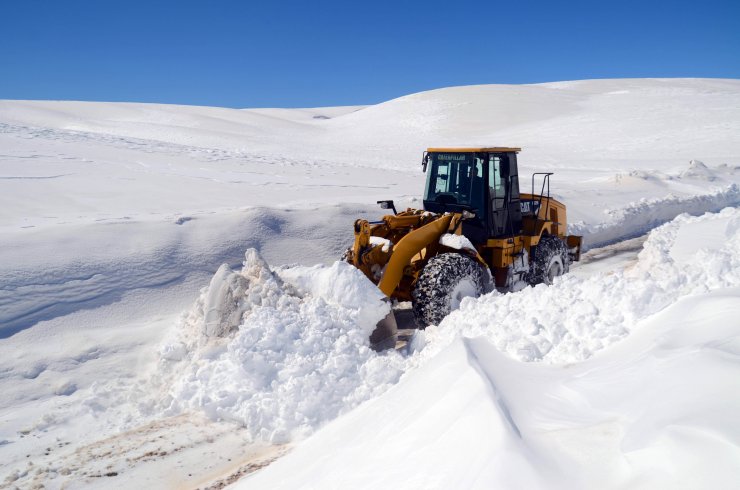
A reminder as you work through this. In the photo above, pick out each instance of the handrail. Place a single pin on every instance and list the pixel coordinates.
(545, 180)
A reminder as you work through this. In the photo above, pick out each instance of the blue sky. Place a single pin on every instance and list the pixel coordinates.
(303, 54)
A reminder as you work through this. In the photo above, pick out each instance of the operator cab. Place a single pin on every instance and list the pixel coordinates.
(484, 181)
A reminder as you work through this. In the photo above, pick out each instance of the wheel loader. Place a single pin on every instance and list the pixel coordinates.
(476, 232)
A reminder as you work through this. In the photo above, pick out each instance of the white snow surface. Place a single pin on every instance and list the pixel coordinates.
(658, 410)
(458, 242)
(581, 316)
(288, 356)
(131, 355)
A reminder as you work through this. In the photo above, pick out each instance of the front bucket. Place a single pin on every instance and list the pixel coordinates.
(385, 334)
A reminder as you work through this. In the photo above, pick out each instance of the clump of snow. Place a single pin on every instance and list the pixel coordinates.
(698, 170)
(65, 389)
(458, 242)
(225, 302)
(383, 242)
(280, 354)
(344, 285)
(231, 295)
(576, 317)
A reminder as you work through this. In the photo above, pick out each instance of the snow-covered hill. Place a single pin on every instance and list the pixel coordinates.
(113, 216)
(626, 137)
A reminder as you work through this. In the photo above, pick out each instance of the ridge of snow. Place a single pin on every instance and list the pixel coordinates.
(458, 242)
(293, 353)
(655, 412)
(576, 317)
(280, 354)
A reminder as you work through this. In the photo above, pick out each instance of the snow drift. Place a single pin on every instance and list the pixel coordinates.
(577, 317)
(281, 353)
(656, 410)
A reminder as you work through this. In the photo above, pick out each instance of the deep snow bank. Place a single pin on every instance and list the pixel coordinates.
(577, 317)
(280, 354)
(656, 410)
(638, 217)
(43, 275)
(283, 352)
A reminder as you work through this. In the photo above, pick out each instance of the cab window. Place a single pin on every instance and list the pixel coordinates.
(496, 182)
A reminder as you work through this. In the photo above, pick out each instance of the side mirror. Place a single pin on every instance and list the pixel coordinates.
(424, 162)
(388, 205)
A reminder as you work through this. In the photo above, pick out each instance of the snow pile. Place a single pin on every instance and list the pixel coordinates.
(576, 317)
(458, 242)
(279, 355)
(656, 410)
(382, 242)
(698, 170)
(638, 217)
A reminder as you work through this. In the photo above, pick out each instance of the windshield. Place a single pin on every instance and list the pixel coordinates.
(455, 178)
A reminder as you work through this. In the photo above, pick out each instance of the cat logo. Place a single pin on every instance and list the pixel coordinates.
(529, 206)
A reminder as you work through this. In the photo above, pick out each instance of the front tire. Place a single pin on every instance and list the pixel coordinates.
(550, 260)
(444, 282)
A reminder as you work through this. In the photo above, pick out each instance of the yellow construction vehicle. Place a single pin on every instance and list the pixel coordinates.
(476, 232)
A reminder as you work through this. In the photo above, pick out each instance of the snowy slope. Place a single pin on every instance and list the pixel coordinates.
(114, 216)
(656, 412)
(630, 138)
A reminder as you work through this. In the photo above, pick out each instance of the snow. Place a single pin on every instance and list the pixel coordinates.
(458, 242)
(384, 243)
(128, 347)
(286, 357)
(657, 410)
(583, 315)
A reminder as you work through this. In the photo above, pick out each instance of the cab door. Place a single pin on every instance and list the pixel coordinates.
(505, 217)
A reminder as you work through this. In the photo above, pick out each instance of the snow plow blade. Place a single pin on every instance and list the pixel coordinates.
(385, 334)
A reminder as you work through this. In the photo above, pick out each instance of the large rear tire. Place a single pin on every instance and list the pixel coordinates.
(444, 282)
(550, 260)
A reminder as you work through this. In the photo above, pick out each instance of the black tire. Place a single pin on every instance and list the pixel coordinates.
(550, 260)
(446, 279)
